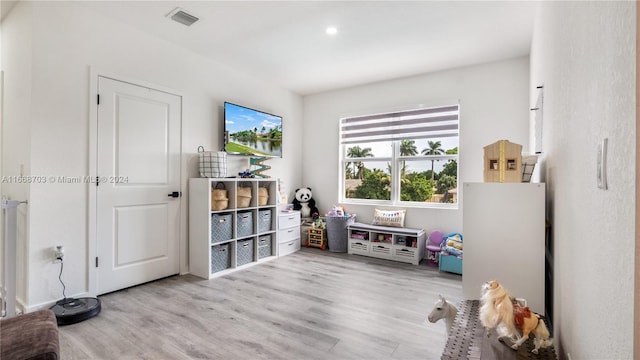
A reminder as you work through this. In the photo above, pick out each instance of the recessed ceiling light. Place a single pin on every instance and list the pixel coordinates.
(332, 30)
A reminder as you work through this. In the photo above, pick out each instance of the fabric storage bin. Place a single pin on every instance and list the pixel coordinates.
(212, 164)
(220, 257)
(337, 232)
(221, 227)
(264, 220)
(264, 246)
(245, 251)
(244, 224)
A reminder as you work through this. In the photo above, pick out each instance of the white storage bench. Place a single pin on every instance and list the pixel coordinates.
(386, 242)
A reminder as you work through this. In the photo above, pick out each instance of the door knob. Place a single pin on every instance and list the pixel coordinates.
(175, 194)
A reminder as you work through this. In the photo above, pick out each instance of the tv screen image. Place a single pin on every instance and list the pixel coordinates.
(252, 132)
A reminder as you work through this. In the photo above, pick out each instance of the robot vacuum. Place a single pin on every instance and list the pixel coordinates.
(70, 310)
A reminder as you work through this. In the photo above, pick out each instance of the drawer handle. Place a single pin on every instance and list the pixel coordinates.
(290, 231)
(291, 218)
(290, 244)
(222, 250)
(245, 245)
(380, 247)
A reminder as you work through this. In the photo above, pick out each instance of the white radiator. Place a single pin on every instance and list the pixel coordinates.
(8, 289)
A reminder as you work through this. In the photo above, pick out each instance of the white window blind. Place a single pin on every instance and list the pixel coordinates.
(434, 122)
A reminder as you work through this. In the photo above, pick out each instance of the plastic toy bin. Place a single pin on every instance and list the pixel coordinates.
(450, 263)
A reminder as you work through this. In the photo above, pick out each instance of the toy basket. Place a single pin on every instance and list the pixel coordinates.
(244, 194)
(219, 199)
(212, 164)
(263, 196)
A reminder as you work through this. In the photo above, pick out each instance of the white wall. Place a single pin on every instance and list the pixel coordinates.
(16, 121)
(66, 42)
(494, 105)
(584, 54)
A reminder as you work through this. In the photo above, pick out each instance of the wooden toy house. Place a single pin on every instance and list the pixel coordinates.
(503, 162)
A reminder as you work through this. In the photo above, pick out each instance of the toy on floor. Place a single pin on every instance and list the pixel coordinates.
(496, 310)
(443, 310)
(528, 322)
(317, 238)
(511, 319)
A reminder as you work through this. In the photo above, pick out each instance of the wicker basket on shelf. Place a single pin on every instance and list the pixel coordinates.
(263, 196)
(244, 194)
(219, 198)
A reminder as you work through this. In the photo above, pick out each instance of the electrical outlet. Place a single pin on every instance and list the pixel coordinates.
(58, 254)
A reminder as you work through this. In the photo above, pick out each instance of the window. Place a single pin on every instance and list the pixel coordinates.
(401, 158)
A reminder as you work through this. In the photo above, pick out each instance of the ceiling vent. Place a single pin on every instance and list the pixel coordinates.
(182, 17)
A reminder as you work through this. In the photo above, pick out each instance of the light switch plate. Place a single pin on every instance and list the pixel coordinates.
(602, 164)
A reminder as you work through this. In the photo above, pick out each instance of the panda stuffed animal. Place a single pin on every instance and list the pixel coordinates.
(305, 203)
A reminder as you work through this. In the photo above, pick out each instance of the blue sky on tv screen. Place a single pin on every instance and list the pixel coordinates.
(239, 118)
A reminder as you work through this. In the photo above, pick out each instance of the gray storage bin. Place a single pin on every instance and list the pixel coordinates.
(220, 257)
(221, 227)
(244, 224)
(337, 232)
(264, 220)
(245, 251)
(264, 246)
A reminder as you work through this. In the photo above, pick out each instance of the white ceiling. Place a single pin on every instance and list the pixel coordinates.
(285, 41)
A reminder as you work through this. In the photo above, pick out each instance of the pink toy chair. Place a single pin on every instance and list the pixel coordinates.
(433, 247)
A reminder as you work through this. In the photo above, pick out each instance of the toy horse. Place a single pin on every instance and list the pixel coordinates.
(496, 310)
(443, 310)
(530, 323)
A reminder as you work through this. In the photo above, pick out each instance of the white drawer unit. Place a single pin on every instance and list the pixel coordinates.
(288, 232)
(289, 220)
(289, 247)
(385, 242)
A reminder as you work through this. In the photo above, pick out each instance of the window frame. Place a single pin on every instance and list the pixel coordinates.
(395, 161)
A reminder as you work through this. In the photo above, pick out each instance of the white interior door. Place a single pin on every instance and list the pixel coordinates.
(138, 164)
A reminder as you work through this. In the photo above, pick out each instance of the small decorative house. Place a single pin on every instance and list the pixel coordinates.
(503, 162)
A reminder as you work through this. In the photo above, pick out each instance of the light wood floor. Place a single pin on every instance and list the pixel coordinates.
(309, 305)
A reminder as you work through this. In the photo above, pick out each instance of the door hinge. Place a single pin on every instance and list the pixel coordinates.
(97, 180)
(96, 261)
(98, 99)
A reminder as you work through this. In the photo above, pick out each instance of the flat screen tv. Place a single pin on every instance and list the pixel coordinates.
(251, 132)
